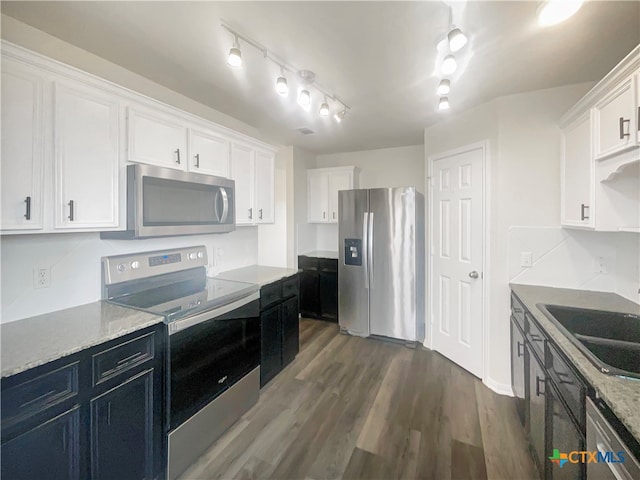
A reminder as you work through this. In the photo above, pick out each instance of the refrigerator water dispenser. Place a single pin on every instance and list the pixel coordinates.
(353, 251)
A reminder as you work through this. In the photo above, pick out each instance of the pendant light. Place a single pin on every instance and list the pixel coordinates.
(339, 116)
(281, 84)
(443, 104)
(235, 55)
(456, 39)
(449, 65)
(324, 108)
(304, 99)
(444, 88)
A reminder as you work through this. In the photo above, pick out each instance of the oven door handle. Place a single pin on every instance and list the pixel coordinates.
(184, 323)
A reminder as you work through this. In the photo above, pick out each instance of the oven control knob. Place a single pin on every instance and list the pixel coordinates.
(192, 256)
(135, 264)
(121, 267)
(200, 254)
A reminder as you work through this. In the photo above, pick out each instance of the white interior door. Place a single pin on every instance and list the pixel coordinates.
(457, 258)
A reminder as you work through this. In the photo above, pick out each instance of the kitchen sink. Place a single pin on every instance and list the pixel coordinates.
(610, 340)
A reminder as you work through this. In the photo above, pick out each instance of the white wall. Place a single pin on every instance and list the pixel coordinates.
(305, 233)
(523, 184)
(385, 167)
(579, 259)
(74, 260)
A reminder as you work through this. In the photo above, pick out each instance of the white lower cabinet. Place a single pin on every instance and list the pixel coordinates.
(323, 185)
(208, 153)
(253, 171)
(87, 157)
(22, 147)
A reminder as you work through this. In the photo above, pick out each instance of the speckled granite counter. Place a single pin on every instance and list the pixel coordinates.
(257, 274)
(322, 254)
(621, 395)
(37, 340)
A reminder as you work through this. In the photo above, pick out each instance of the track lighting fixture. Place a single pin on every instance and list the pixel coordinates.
(304, 80)
(281, 84)
(339, 116)
(443, 104)
(456, 39)
(552, 12)
(235, 55)
(444, 87)
(324, 108)
(449, 65)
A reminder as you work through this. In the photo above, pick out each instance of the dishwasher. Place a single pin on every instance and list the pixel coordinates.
(615, 459)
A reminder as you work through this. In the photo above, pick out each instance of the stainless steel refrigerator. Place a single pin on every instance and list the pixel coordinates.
(381, 266)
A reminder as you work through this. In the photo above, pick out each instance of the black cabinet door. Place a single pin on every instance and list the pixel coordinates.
(536, 418)
(564, 436)
(271, 364)
(290, 330)
(309, 300)
(517, 369)
(329, 295)
(122, 430)
(50, 450)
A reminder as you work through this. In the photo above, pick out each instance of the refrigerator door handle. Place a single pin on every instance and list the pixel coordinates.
(370, 248)
(365, 248)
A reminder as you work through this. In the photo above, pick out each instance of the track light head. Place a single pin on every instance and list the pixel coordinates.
(235, 55)
(449, 65)
(445, 87)
(456, 39)
(304, 99)
(281, 86)
(443, 104)
(339, 116)
(324, 108)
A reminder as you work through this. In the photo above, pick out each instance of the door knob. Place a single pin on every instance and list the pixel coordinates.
(473, 274)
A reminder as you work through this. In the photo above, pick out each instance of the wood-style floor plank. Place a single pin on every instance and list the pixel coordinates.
(356, 408)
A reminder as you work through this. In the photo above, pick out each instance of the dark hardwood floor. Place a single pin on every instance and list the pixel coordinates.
(357, 408)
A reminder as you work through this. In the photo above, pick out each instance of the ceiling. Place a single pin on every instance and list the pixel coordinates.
(379, 57)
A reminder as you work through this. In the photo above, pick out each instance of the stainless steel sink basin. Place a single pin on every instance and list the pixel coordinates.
(610, 340)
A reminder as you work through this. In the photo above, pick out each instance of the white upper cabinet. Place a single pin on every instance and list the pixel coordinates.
(577, 174)
(615, 122)
(87, 157)
(208, 153)
(22, 147)
(156, 138)
(638, 107)
(242, 172)
(323, 185)
(253, 171)
(264, 177)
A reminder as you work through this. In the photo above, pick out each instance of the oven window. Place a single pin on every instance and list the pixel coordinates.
(170, 202)
(208, 358)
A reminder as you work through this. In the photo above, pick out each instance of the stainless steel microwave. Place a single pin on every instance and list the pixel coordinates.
(163, 202)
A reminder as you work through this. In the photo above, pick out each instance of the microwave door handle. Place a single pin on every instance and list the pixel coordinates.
(225, 205)
(215, 205)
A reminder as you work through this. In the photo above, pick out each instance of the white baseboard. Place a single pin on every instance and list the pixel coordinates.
(499, 388)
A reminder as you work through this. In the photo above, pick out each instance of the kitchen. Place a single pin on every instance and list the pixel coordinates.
(511, 117)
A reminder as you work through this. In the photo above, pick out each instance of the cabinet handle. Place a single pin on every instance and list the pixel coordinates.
(520, 352)
(583, 216)
(250, 213)
(71, 210)
(324, 215)
(538, 391)
(260, 214)
(334, 215)
(197, 160)
(178, 156)
(64, 439)
(622, 122)
(108, 413)
(131, 358)
(27, 215)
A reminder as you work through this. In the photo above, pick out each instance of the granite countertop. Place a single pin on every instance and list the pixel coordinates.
(257, 274)
(38, 340)
(621, 395)
(322, 254)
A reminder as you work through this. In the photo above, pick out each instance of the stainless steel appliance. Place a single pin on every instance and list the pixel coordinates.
(163, 202)
(616, 460)
(213, 328)
(381, 265)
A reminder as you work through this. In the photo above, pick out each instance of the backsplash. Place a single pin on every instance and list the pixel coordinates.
(74, 260)
(579, 259)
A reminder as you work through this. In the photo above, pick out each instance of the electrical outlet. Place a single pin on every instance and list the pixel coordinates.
(41, 277)
(600, 265)
(526, 259)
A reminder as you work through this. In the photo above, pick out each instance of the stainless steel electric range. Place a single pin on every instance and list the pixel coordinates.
(213, 328)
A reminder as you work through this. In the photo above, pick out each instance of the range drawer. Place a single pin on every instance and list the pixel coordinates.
(37, 394)
(270, 295)
(116, 360)
(517, 311)
(290, 287)
(571, 388)
(308, 263)
(535, 337)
